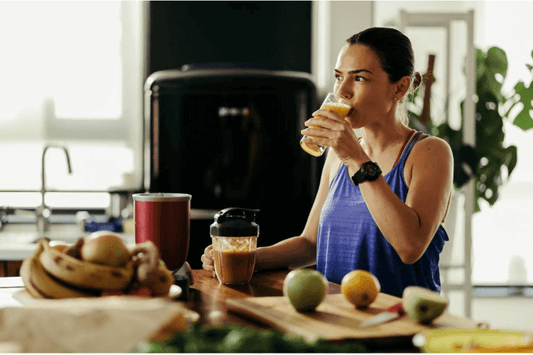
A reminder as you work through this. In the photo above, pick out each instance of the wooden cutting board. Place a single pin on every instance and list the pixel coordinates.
(335, 318)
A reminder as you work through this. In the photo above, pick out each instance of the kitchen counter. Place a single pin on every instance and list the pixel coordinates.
(208, 298)
(18, 242)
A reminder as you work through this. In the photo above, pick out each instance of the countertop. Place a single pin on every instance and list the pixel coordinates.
(208, 297)
(18, 241)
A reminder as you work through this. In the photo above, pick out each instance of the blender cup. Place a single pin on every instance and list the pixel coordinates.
(234, 237)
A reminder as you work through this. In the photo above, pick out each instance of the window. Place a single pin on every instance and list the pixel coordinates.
(502, 239)
(72, 74)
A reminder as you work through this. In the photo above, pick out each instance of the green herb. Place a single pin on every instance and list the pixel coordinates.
(237, 339)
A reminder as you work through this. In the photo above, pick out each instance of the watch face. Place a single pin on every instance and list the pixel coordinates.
(371, 169)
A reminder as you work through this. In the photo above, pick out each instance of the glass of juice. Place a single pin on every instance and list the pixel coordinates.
(332, 102)
(234, 238)
(234, 259)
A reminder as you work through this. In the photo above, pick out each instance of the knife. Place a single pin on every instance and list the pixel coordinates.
(392, 313)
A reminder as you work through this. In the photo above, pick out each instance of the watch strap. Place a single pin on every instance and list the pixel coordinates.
(369, 171)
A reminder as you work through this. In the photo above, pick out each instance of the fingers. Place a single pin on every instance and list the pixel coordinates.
(331, 133)
(332, 122)
(207, 259)
(328, 114)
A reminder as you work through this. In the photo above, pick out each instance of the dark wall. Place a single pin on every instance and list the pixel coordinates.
(273, 32)
(266, 33)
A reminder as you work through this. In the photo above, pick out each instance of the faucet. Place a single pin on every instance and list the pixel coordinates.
(42, 213)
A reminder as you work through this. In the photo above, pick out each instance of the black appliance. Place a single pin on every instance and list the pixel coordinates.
(229, 136)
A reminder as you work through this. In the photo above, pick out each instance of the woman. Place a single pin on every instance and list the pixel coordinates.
(382, 198)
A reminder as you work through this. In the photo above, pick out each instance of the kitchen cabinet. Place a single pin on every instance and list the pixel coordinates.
(10, 267)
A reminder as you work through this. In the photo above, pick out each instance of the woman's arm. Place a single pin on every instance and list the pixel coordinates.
(294, 252)
(409, 227)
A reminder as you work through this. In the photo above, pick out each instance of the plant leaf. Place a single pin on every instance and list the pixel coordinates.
(523, 119)
(512, 158)
(496, 60)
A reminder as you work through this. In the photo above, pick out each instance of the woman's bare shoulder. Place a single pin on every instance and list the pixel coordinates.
(432, 154)
(431, 146)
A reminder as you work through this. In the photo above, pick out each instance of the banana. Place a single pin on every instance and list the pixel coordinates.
(83, 273)
(25, 273)
(40, 283)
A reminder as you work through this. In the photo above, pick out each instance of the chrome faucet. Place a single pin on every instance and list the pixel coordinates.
(42, 213)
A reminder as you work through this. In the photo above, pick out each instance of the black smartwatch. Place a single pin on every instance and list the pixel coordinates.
(369, 172)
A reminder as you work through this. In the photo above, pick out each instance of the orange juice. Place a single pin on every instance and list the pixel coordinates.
(339, 108)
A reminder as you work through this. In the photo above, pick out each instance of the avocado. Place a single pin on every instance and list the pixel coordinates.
(423, 304)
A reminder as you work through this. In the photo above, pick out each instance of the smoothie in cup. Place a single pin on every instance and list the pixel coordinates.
(234, 238)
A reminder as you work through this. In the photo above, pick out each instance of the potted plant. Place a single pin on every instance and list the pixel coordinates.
(489, 163)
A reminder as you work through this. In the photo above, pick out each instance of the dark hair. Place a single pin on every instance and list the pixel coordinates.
(394, 51)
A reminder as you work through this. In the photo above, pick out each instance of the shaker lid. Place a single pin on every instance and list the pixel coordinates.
(235, 222)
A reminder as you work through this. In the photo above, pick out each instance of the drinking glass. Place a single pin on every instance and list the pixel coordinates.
(341, 107)
(234, 259)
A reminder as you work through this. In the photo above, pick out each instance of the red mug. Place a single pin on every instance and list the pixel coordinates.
(164, 219)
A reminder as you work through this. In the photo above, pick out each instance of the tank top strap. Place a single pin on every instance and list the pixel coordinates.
(418, 136)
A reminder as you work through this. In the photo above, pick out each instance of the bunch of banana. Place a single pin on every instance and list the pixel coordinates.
(61, 272)
(84, 274)
(41, 284)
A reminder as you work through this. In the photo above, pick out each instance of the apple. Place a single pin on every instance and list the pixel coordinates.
(305, 289)
(423, 304)
(105, 248)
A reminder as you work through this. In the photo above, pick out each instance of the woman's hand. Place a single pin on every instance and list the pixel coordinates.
(327, 128)
(207, 259)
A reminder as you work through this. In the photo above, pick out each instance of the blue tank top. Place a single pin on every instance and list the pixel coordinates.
(349, 239)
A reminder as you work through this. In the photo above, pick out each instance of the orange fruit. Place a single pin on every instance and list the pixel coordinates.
(360, 288)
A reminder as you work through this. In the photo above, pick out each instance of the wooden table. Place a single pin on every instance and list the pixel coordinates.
(208, 298)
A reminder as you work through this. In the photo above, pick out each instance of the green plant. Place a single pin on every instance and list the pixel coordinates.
(489, 163)
(239, 339)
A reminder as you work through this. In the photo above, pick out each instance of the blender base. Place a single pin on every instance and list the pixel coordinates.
(183, 278)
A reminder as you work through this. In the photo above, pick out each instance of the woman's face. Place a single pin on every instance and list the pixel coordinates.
(360, 79)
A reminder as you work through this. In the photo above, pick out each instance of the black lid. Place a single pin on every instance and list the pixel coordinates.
(235, 222)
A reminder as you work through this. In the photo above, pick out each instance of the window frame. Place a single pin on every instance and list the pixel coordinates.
(128, 128)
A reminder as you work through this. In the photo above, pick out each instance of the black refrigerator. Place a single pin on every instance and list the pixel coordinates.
(229, 136)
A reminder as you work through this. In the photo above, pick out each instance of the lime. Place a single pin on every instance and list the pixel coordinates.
(305, 289)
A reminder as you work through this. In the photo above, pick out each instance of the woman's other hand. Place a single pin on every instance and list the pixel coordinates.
(207, 259)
